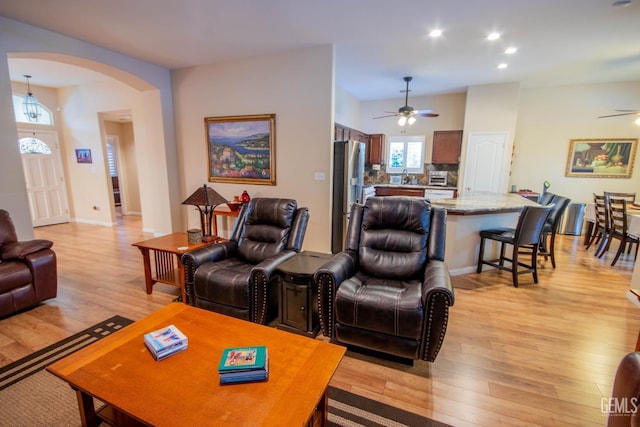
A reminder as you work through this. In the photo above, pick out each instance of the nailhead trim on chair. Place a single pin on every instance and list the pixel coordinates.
(442, 331)
(330, 308)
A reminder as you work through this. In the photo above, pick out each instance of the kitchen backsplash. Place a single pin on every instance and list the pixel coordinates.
(381, 177)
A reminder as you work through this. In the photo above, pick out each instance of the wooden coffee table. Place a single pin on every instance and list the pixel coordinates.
(184, 389)
(167, 251)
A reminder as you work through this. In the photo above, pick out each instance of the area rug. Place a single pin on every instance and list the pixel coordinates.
(31, 396)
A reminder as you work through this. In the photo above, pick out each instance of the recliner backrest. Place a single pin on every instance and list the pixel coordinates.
(266, 225)
(393, 237)
(7, 229)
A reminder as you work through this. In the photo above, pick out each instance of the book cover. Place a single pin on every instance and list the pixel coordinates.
(243, 359)
(165, 341)
(242, 376)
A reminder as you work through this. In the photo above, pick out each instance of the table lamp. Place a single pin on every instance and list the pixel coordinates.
(205, 199)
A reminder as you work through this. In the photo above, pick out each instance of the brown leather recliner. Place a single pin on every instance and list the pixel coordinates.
(237, 277)
(28, 272)
(624, 406)
(389, 290)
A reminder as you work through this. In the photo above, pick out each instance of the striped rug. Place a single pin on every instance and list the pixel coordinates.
(30, 396)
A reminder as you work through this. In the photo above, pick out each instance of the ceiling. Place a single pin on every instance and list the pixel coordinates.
(377, 42)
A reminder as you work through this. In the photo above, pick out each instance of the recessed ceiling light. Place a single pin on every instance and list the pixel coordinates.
(510, 50)
(493, 36)
(435, 33)
(502, 66)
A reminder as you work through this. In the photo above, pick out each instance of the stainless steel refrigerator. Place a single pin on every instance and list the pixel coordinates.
(348, 180)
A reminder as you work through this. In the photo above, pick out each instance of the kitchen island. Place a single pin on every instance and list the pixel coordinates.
(470, 213)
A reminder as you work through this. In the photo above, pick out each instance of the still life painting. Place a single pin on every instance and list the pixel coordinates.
(601, 158)
(242, 149)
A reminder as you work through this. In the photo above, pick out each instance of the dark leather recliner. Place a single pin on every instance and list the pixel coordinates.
(236, 277)
(624, 405)
(28, 269)
(389, 290)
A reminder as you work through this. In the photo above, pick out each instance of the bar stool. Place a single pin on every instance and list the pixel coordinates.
(526, 235)
(550, 228)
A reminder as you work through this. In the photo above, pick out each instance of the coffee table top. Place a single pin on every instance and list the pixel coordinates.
(184, 389)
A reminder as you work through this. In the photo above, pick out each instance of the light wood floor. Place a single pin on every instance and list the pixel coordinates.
(540, 354)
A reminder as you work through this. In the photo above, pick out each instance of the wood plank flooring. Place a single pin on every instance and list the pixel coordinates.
(542, 354)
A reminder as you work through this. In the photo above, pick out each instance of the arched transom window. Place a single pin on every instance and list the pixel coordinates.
(33, 145)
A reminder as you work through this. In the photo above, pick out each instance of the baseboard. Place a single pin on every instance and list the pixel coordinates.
(91, 222)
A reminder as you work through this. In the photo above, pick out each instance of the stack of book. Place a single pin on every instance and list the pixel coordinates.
(244, 364)
(165, 342)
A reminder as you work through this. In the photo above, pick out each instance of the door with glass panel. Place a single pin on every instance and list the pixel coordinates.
(42, 164)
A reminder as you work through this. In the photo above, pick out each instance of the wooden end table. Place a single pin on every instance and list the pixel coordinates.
(167, 251)
(184, 389)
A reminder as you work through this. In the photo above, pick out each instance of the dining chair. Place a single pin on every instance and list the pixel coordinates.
(600, 231)
(619, 229)
(551, 226)
(629, 197)
(526, 235)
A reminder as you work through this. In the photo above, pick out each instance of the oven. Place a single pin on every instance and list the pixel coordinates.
(438, 178)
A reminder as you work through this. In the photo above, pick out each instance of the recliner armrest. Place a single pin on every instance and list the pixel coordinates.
(192, 260)
(19, 250)
(437, 297)
(328, 278)
(269, 265)
(217, 252)
(261, 277)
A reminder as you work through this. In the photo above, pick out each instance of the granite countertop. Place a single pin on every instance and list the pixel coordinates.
(477, 204)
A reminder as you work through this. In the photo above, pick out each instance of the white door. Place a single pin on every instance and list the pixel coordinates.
(485, 163)
(43, 173)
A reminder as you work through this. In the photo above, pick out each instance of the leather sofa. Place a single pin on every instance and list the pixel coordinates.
(237, 277)
(389, 290)
(28, 270)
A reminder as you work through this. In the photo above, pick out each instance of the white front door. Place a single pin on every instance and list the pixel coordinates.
(42, 164)
(485, 163)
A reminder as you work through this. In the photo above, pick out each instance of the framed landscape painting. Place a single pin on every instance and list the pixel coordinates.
(601, 158)
(242, 149)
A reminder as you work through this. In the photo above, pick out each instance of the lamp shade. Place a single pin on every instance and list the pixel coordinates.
(205, 196)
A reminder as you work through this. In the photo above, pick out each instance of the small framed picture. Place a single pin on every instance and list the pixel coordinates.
(83, 155)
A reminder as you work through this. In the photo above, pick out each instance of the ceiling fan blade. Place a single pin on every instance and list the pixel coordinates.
(427, 114)
(382, 117)
(621, 114)
(632, 111)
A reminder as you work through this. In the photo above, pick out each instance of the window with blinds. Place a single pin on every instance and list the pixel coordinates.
(111, 156)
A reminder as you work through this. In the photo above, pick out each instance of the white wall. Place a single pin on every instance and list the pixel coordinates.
(347, 109)
(161, 210)
(297, 87)
(549, 118)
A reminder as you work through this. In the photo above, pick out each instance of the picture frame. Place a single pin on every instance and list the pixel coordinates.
(241, 149)
(601, 158)
(83, 155)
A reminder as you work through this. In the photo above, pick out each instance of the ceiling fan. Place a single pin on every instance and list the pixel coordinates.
(408, 114)
(622, 113)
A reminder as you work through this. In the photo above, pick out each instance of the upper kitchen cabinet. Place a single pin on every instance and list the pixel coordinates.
(447, 145)
(344, 133)
(375, 149)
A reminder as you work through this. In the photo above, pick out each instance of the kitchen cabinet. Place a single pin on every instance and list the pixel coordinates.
(344, 133)
(447, 145)
(376, 149)
(400, 191)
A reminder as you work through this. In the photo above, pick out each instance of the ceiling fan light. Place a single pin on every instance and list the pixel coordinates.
(637, 121)
(411, 120)
(402, 120)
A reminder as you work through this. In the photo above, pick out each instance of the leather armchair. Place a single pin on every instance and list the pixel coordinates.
(389, 290)
(237, 277)
(28, 270)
